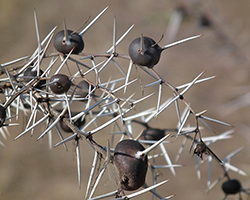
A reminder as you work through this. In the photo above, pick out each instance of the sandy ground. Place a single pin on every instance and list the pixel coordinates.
(29, 170)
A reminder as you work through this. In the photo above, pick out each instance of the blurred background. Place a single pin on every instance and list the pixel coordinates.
(29, 170)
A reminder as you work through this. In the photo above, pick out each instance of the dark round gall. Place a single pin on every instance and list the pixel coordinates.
(201, 149)
(204, 21)
(232, 186)
(59, 83)
(79, 123)
(75, 42)
(152, 134)
(82, 89)
(30, 74)
(26, 105)
(2, 115)
(132, 171)
(149, 57)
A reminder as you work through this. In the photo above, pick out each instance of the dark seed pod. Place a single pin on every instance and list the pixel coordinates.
(152, 134)
(82, 89)
(132, 171)
(64, 46)
(145, 53)
(29, 74)
(59, 83)
(231, 186)
(2, 115)
(79, 123)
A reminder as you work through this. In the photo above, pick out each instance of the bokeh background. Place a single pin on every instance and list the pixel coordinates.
(29, 170)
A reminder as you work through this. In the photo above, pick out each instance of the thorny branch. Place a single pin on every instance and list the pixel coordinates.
(109, 104)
